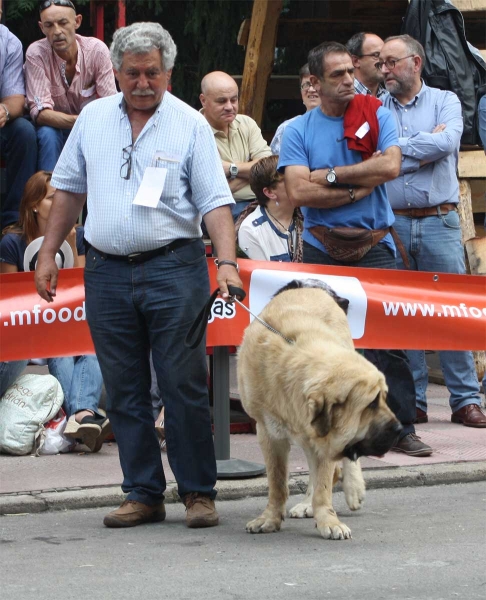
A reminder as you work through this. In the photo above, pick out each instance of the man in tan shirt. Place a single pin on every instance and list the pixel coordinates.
(238, 138)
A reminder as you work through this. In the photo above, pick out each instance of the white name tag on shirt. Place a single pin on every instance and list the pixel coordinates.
(151, 187)
(88, 91)
(363, 130)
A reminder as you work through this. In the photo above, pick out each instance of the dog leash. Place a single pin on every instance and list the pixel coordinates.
(197, 329)
(264, 323)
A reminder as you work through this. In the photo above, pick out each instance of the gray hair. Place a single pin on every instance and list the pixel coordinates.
(412, 45)
(355, 43)
(141, 38)
(304, 71)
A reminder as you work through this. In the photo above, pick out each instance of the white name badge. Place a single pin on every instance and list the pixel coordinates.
(363, 130)
(151, 187)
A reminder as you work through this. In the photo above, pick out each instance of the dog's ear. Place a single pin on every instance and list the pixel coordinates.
(321, 415)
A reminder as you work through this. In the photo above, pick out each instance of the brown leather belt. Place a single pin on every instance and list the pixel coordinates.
(430, 211)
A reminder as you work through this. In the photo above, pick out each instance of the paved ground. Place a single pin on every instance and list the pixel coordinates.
(29, 484)
(408, 544)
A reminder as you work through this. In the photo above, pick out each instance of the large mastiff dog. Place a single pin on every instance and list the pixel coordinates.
(315, 390)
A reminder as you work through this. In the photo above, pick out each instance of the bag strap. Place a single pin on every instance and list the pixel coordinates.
(400, 247)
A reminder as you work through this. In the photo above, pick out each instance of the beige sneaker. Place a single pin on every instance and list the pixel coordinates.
(132, 513)
(86, 432)
(200, 511)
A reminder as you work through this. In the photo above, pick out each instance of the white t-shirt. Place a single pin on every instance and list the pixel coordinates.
(260, 239)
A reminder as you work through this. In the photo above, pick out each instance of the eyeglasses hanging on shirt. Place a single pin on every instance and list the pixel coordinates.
(126, 168)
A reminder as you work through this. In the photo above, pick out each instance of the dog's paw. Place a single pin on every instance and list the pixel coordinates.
(338, 531)
(354, 496)
(301, 511)
(263, 525)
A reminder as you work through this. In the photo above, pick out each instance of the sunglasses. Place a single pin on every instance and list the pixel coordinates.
(43, 4)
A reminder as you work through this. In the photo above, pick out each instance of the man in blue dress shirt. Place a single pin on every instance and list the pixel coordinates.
(150, 168)
(424, 199)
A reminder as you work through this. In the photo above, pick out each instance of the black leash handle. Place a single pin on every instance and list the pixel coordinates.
(197, 329)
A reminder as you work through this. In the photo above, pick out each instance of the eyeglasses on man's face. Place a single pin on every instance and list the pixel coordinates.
(391, 62)
(305, 87)
(373, 54)
(126, 168)
(43, 4)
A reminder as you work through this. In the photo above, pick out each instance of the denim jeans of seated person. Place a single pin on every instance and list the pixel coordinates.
(79, 377)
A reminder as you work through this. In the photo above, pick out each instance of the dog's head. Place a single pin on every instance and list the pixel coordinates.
(317, 284)
(348, 410)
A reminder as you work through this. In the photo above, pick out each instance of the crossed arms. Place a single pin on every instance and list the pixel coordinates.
(306, 188)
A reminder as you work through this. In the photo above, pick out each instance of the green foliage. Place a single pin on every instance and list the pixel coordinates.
(205, 32)
(17, 9)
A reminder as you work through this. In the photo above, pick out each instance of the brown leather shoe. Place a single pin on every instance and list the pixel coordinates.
(132, 513)
(200, 511)
(470, 416)
(421, 417)
(412, 445)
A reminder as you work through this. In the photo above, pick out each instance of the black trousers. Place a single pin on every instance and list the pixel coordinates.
(392, 363)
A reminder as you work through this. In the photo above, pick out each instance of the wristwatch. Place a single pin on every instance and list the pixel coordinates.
(331, 176)
(233, 171)
(7, 113)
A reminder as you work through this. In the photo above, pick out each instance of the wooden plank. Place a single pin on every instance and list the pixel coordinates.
(476, 254)
(259, 57)
(475, 248)
(470, 5)
(464, 210)
(314, 31)
(243, 33)
(472, 163)
(478, 192)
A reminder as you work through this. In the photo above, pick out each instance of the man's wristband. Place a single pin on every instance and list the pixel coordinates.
(7, 112)
(232, 263)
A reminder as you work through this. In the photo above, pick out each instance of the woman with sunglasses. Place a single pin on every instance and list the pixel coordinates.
(79, 376)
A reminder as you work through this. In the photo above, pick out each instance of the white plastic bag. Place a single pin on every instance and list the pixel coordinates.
(51, 439)
(29, 402)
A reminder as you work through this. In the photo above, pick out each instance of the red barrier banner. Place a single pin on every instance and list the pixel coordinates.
(388, 309)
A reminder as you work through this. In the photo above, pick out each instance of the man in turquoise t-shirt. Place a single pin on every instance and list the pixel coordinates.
(335, 187)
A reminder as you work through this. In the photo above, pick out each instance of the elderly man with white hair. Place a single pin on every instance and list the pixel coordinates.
(150, 168)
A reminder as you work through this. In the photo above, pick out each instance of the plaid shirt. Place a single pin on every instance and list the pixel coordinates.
(46, 83)
(359, 88)
(177, 138)
(11, 74)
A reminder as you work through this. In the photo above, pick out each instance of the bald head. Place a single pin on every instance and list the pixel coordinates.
(219, 99)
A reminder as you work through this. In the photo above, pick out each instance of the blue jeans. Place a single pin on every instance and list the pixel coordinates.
(238, 208)
(80, 379)
(392, 363)
(18, 145)
(51, 142)
(434, 244)
(9, 371)
(132, 308)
